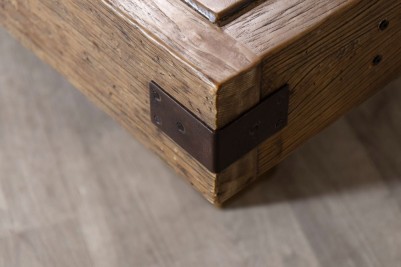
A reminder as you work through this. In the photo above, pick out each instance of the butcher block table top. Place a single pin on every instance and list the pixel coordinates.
(222, 91)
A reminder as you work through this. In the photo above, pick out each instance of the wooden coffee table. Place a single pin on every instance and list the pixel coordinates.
(223, 91)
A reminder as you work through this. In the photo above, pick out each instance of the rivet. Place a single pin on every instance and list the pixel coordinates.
(280, 123)
(254, 129)
(157, 120)
(180, 127)
(156, 96)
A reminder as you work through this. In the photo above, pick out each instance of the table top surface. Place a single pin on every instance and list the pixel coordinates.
(218, 10)
(77, 190)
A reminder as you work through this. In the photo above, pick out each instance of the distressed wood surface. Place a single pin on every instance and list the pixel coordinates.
(112, 49)
(111, 60)
(327, 59)
(219, 58)
(328, 80)
(77, 190)
(274, 24)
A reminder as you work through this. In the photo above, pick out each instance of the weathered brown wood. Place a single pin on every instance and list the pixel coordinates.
(78, 191)
(112, 61)
(112, 49)
(215, 56)
(273, 24)
(329, 66)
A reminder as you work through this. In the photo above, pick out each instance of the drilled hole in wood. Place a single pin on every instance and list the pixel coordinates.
(384, 25)
(377, 60)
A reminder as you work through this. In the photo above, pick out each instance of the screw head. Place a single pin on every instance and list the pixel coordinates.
(254, 129)
(384, 25)
(180, 127)
(157, 120)
(280, 123)
(156, 96)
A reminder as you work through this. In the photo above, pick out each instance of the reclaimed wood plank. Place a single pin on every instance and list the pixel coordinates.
(340, 57)
(94, 62)
(333, 54)
(221, 59)
(80, 191)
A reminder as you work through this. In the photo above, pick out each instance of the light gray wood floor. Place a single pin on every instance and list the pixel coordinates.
(77, 190)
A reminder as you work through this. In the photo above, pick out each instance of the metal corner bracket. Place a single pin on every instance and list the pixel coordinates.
(218, 149)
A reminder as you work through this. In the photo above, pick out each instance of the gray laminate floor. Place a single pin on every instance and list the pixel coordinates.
(77, 190)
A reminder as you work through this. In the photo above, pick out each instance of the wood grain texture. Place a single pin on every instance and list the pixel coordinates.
(112, 49)
(328, 64)
(331, 79)
(77, 190)
(177, 53)
(220, 58)
(112, 61)
(274, 24)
